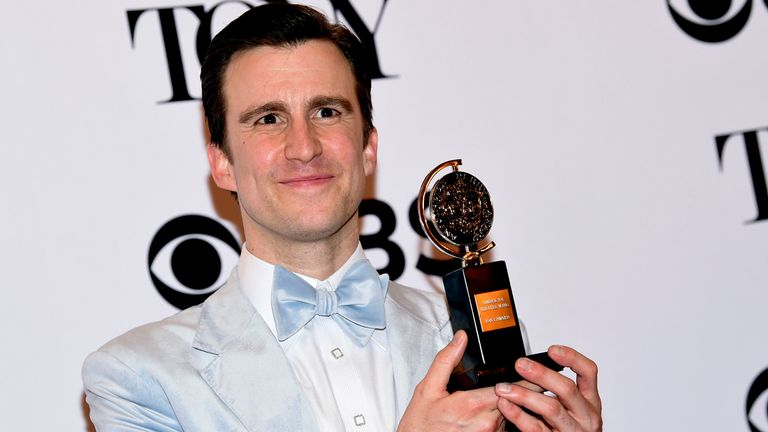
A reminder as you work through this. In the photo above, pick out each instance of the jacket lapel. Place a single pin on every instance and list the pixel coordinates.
(417, 328)
(243, 363)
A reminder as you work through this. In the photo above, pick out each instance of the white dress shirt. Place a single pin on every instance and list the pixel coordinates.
(349, 388)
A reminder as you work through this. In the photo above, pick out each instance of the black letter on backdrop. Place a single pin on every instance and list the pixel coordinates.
(362, 32)
(380, 239)
(205, 32)
(171, 44)
(172, 47)
(752, 146)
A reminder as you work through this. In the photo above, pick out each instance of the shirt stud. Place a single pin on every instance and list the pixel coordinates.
(337, 354)
(359, 420)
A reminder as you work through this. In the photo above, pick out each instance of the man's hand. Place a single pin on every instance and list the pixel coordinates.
(575, 406)
(432, 408)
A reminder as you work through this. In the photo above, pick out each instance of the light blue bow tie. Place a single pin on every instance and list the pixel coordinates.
(357, 304)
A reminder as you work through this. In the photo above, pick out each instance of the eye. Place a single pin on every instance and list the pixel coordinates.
(189, 258)
(710, 20)
(326, 112)
(268, 119)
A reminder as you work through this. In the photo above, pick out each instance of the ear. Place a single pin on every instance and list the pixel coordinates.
(370, 152)
(221, 168)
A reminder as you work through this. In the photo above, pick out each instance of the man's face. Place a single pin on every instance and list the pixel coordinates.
(295, 133)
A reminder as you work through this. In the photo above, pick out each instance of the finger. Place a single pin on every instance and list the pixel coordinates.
(521, 419)
(436, 379)
(529, 385)
(565, 389)
(585, 369)
(553, 414)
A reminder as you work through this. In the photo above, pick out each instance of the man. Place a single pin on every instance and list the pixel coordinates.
(305, 336)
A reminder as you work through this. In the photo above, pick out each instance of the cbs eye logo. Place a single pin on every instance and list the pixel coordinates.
(711, 20)
(757, 403)
(189, 258)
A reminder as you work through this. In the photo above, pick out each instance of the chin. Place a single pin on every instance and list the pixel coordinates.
(321, 230)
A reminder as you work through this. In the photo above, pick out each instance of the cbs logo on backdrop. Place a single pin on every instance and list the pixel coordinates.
(757, 404)
(711, 20)
(189, 258)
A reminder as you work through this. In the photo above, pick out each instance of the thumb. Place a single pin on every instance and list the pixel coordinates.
(445, 362)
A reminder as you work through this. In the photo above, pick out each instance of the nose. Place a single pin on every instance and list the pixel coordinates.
(302, 143)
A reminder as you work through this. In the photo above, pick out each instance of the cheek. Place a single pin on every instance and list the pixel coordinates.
(245, 174)
(254, 158)
(350, 146)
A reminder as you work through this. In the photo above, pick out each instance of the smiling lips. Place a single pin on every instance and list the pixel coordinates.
(307, 180)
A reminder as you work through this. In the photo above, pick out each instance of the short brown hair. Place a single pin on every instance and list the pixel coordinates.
(277, 25)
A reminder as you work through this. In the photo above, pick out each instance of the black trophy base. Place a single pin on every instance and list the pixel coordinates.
(481, 303)
(486, 376)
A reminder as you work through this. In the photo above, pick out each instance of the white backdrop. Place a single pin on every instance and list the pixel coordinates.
(592, 123)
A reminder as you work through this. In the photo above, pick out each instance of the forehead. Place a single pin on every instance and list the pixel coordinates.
(288, 74)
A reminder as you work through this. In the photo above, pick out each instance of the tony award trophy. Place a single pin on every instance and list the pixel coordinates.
(479, 294)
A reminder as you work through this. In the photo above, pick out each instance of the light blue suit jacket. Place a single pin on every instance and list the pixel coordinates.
(217, 367)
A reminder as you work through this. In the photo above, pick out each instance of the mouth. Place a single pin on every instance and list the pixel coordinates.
(307, 180)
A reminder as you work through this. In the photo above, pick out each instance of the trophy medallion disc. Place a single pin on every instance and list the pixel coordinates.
(461, 208)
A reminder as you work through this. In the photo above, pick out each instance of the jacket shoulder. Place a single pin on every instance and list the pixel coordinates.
(155, 339)
(429, 307)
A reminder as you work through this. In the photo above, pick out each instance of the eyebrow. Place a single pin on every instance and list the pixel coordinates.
(247, 116)
(334, 101)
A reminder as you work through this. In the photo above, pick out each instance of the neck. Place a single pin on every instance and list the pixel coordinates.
(314, 258)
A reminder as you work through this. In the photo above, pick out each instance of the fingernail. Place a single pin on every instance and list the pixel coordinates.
(558, 350)
(458, 337)
(524, 364)
(503, 388)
